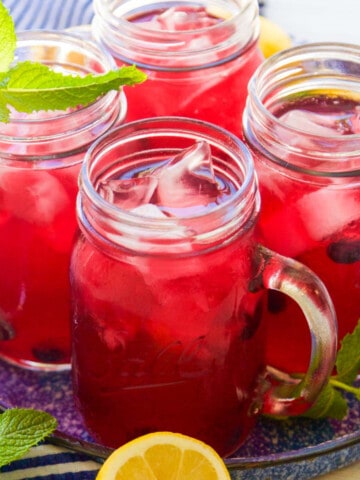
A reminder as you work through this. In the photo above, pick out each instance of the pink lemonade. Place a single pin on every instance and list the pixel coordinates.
(158, 345)
(317, 222)
(40, 158)
(167, 289)
(37, 224)
(168, 337)
(198, 59)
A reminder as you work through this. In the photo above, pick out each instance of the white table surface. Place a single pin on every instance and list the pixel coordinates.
(317, 20)
(349, 473)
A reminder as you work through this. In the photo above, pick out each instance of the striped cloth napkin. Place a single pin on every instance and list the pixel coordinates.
(49, 14)
(49, 462)
(54, 14)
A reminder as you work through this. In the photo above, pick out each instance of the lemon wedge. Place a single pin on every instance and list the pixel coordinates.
(272, 38)
(164, 456)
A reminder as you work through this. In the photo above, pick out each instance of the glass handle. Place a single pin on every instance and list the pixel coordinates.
(287, 395)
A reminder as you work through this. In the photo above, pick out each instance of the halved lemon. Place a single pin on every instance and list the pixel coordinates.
(272, 38)
(164, 456)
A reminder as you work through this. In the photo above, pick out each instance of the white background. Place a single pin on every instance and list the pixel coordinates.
(317, 20)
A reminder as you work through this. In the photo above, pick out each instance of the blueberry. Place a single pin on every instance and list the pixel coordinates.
(48, 354)
(6, 330)
(276, 301)
(252, 322)
(344, 251)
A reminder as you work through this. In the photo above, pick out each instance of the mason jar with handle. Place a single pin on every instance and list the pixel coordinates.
(168, 279)
(302, 124)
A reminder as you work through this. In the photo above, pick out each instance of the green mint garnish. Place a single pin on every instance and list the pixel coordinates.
(21, 429)
(8, 39)
(348, 358)
(331, 403)
(31, 86)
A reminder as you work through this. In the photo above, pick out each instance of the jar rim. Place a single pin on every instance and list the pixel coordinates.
(131, 42)
(296, 70)
(281, 58)
(60, 133)
(54, 37)
(165, 124)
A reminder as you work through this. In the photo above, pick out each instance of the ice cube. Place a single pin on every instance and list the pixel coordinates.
(116, 295)
(177, 232)
(128, 194)
(296, 226)
(149, 210)
(182, 18)
(351, 124)
(33, 195)
(328, 210)
(326, 124)
(192, 19)
(188, 181)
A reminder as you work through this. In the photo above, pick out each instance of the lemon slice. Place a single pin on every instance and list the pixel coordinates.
(272, 38)
(164, 456)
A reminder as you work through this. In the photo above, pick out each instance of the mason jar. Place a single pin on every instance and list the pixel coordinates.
(168, 280)
(40, 158)
(198, 57)
(302, 124)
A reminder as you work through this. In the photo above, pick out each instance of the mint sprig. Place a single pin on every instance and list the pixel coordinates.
(21, 429)
(348, 358)
(7, 38)
(331, 402)
(32, 86)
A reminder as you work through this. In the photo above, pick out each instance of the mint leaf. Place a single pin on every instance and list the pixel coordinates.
(330, 403)
(21, 429)
(7, 39)
(348, 357)
(4, 111)
(31, 86)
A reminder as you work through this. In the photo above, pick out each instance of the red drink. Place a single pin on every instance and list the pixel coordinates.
(317, 224)
(311, 191)
(164, 323)
(41, 155)
(37, 224)
(198, 59)
(167, 283)
(165, 335)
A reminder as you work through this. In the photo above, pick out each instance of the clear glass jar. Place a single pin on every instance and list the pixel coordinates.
(167, 307)
(40, 158)
(302, 123)
(198, 57)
